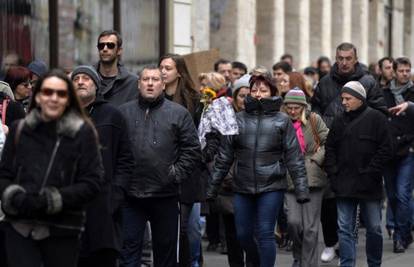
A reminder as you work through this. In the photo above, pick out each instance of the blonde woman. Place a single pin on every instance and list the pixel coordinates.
(303, 219)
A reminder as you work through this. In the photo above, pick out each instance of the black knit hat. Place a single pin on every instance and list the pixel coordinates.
(90, 71)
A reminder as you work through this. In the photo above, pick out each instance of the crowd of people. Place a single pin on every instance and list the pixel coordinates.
(99, 162)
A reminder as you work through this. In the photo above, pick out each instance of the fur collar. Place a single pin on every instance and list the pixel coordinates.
(68, 125)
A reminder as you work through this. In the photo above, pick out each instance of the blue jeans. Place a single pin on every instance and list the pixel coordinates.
(371, 213)
(398, 178)
(194, 234)
(255, 218)
(162, 213)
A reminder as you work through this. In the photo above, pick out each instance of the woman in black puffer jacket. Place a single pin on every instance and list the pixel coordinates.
(264, 149)
(50, 168)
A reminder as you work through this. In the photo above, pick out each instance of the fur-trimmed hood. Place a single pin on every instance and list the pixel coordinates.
(69, 125)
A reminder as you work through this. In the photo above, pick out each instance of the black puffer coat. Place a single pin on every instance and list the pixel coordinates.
(103, 224)
(327, 100)
(264, 149)
(402, 126)
(76, 172)
(355, 157)
(165, 146)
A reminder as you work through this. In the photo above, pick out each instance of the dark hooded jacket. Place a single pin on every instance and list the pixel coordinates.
(327, 102)
(356, 153)
(103, 224)
(122, 89)
(264, 149)
(165, 146)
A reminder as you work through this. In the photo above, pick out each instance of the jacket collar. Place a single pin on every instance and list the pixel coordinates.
(69, 125)
(342, 79)
(264, 105)
(145, 104)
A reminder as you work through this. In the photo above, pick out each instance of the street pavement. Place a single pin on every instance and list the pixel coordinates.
(284, 258)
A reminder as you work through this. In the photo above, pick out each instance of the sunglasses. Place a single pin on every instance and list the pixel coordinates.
(109, 45)
(50, 92)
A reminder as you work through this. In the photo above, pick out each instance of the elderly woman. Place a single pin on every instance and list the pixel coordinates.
(50, 169)
(262, 151)
(303, 220)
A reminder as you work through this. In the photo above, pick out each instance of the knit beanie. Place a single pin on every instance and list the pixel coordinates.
(38, 67)
(90, 71)
(355, 89)
(295, 96)
(242, 82)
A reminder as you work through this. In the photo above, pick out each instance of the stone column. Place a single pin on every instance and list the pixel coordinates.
(341, 23)
(297, 32)
(376, 30)
(200, 22)
(398, 28)
(408, 28)
(233, 27)
(320, 28)
(360, 25)
(270, 35)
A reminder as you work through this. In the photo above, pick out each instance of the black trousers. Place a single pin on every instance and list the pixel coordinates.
(184, 252)
(100, 258)
(50, 252)
(329, 221)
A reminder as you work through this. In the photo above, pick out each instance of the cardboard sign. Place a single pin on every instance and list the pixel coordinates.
(199, 62)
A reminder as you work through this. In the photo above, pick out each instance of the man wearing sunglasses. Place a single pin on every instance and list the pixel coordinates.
(118, 85)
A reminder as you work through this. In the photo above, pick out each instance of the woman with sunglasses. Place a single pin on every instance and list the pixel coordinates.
(18, 78)
(50, 168)
(265, 148)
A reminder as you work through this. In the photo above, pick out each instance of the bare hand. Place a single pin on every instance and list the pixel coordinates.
(397, 110)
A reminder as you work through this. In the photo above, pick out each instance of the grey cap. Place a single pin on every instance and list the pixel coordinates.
(90, 71)
(244, 81)
(38, 67)
(355, 89)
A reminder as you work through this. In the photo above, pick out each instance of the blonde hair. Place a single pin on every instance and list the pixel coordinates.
(214, 80)
(302, 117)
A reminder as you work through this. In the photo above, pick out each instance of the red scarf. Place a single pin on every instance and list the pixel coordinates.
(299, 135)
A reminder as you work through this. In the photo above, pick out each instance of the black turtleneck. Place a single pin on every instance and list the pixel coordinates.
(264, 105)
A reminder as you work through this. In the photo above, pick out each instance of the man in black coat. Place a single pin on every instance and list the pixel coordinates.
(101, 241)
(357, 148)
(327, 102)
(166, 149)
(400, 172)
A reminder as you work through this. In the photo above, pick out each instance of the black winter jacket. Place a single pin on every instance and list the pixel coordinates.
(265, 146)
(327, 101)
(76, 172)
(103, 224)
(356, 154)
(121, 90)
(402, 126)
(165, 146)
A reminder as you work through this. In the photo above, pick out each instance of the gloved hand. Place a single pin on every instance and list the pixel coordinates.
(30, 205)
(302, 197)
(117, 198)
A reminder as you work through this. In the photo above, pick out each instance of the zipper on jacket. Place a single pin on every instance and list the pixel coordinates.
(259, 120)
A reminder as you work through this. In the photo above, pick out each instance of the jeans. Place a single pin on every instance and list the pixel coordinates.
(162, 213)
(399, 183)
(371, 212)
(255, 218)
(194, 234)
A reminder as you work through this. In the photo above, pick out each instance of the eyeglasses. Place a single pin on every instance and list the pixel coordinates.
(50, 92)
(109, 45)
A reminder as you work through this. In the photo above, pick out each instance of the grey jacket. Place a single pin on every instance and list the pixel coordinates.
(122, 89)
